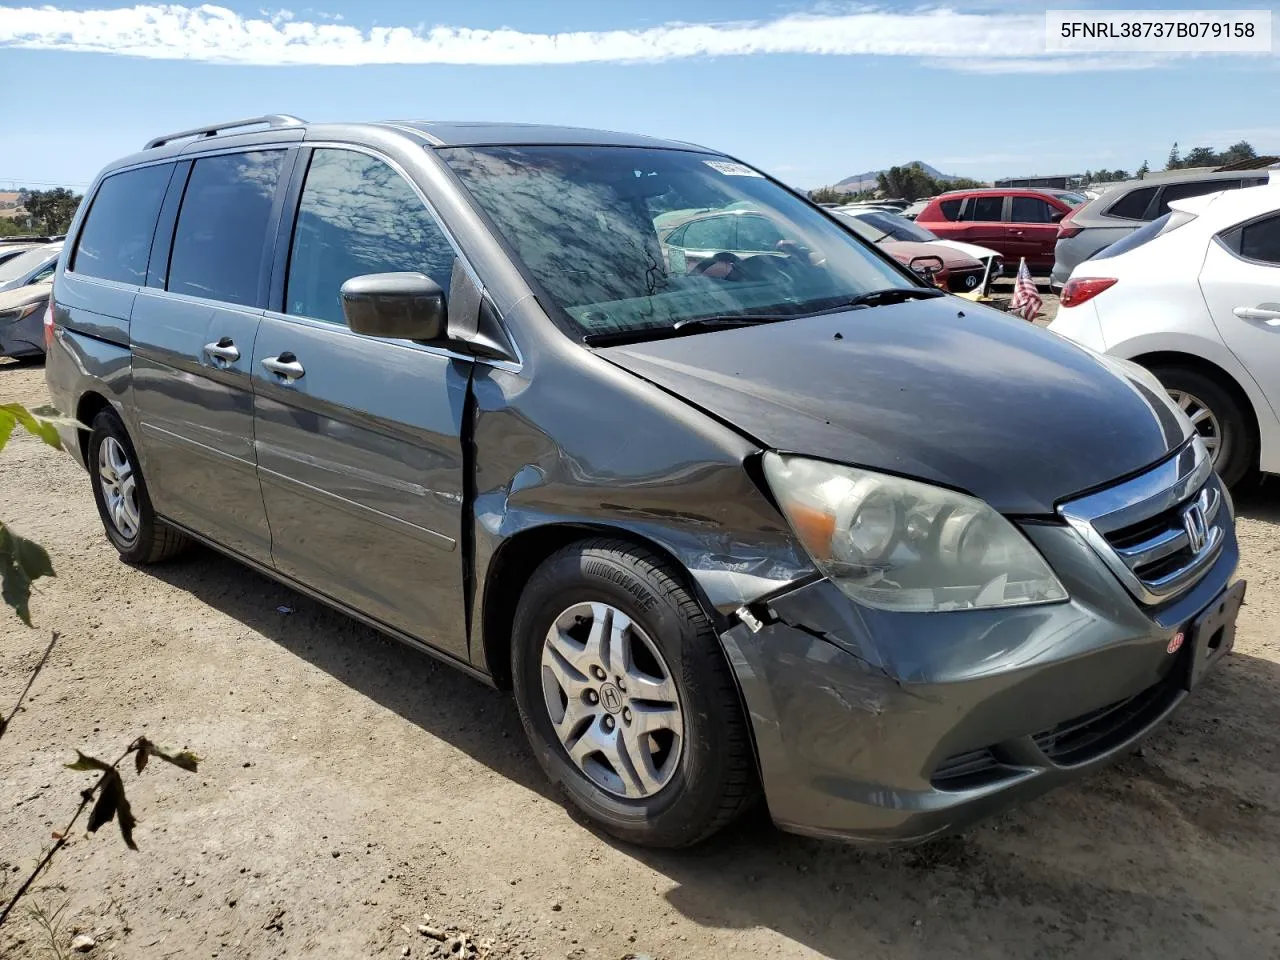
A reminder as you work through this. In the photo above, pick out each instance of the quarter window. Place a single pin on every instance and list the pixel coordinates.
(983, 208)
(950, 209)
(222, 227)
(1260, 241)
(358, 216)
(1133, 204)
(115, 242)
(1031, 210)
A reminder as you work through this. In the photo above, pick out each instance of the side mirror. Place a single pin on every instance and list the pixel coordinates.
(406, 306)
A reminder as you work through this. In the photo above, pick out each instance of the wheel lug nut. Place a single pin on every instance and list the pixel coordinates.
(608, 723)
(593, 697)
(626, 714)
(597, 673)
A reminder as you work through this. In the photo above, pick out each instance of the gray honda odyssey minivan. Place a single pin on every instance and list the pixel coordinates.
(783, 520)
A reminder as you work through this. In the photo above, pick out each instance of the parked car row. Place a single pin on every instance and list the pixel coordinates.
(1194, 296)
(730, 499)
(26, 276)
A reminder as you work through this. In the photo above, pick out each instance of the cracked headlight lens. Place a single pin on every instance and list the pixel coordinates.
(900, 544)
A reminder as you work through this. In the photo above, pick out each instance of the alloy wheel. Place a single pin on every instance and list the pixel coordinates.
(1203, 419)
(118, 479)
(612, 700)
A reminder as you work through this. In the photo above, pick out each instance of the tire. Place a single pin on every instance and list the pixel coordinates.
(135, 531)
(692, 788)
(1237, 453)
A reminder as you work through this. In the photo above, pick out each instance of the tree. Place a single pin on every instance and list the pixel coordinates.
(1200, 157)
(1143, 170)
(1175, 161)
(1237, 152)
(51, 210)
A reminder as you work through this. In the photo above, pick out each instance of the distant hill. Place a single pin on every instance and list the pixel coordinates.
(867, 181)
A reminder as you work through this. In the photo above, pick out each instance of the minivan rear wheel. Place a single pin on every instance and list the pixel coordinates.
(1217, 416)
(626, 697)
(121, 495)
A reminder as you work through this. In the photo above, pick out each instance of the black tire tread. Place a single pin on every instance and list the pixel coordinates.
(1242, 452)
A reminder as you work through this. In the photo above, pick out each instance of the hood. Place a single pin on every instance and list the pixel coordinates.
(906, 250)
(969, 249)
(941, 390)
(21, 296)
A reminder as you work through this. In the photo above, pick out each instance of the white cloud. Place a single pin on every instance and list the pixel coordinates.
(994, 42)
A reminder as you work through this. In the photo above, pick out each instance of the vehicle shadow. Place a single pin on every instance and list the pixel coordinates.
(1258, 498)
(1170, 852)
(432, 695)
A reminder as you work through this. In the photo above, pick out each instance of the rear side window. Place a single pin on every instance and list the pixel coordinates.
(222, 226)
(1197, 188)
(1133, 204)
(115, 242)
(1258, 241)
(1032, 210)
(713, 233)
(950, 208)
(984, 208)
(358, 216)
(757, 234)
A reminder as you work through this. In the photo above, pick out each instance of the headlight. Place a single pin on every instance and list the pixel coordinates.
(900, 544)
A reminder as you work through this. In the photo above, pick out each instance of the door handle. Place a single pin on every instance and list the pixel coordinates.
(1015, 233)
(223, 352)
(1268, 316)
(285, 366)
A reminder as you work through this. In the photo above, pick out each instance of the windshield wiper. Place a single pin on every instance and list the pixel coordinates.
(879, 298)
(682, 327)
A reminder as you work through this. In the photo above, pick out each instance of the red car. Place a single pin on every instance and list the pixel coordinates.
(1017, 223)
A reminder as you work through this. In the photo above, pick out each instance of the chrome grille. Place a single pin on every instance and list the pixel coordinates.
(1160, 531)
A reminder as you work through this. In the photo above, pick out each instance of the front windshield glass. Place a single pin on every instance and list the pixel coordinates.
(629, 239)
(897, 228)
(24, 263)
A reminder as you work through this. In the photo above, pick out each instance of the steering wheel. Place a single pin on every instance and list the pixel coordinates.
(720, 266)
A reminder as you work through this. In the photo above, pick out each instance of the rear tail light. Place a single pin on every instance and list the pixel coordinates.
(1080, 291)
(1068, 230)
(48, 322)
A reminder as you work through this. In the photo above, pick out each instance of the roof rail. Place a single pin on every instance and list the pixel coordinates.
(270, 120)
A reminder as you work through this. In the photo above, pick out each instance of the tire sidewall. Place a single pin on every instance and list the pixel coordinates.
(571, 578)
(108, 424)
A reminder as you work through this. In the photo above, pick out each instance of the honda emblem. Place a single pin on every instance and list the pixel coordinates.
(1197, 528)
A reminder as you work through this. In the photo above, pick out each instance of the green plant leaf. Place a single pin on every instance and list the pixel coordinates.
(21, 562)
(7, 423)
(83, 762)
(109, 795)
(43, 429)
(184, 759)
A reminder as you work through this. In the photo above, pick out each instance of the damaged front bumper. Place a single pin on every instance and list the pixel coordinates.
(895, 727)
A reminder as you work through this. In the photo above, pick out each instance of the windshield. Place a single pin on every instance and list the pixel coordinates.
(1071, 199)
(24, 263)
(897, 228)
(631, 239)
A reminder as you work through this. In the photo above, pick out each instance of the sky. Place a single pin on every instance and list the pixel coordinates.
(810, 90)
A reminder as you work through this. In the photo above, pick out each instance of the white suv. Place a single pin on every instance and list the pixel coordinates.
(1194, 296)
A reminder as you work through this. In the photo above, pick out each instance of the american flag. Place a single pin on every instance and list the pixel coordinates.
(1026, 301)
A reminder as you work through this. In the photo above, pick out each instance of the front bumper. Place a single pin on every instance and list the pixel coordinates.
(886, 727)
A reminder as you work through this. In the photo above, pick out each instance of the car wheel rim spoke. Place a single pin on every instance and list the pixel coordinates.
(1203, 420)
(119, 488)
(611, 700)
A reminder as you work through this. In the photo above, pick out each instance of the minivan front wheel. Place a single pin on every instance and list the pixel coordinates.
(121, 495)
(626, 697)
(1217, 416)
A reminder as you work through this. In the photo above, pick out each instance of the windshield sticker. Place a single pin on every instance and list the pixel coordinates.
(731, 169)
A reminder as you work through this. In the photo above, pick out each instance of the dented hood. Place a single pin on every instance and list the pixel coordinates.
(940, 390)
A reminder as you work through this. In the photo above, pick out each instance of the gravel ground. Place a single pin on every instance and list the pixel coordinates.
(351, 788)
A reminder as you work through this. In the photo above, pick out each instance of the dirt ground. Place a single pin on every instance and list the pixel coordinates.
(351, 787)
